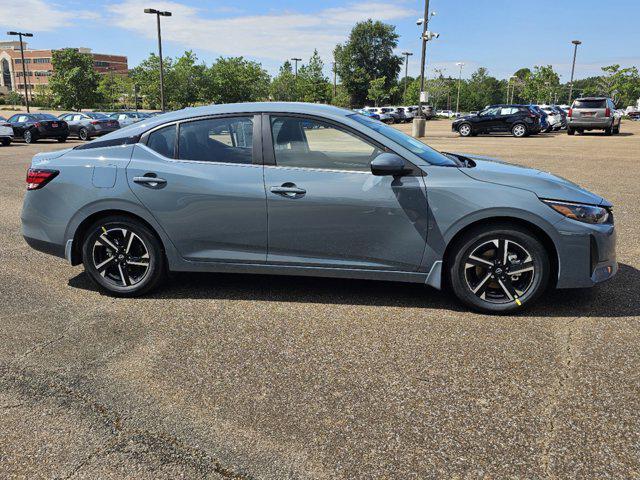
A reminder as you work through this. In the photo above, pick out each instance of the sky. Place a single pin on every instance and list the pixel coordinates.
(501, 35)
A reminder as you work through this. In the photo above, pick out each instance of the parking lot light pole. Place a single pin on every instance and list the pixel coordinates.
(24, 70)
(461, 65)
(295, 68)
(406, 72)
(158, 14)
(573, 68)
(513, 88)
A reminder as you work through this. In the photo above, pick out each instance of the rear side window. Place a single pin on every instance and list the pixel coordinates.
(163, 141)
(225, 140)
(590, 104)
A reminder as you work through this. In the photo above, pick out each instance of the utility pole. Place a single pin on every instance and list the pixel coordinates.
(419, 121)
(135, 96)
(461, 65)
(295, 69)
(24, 70)
(406, 71)
(335, 81)
(573, 68)
(158, 14)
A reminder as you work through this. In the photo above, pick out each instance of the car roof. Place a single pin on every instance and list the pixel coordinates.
(592, 98)
(142, 126)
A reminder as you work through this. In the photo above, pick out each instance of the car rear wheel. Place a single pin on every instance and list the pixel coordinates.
(29, 137)
(608, 131)
(616, 130)
(83, 134)
(123, 257)
(499, 269)
(519, 130)
(570, 131)
(465, 130)
(62, 139)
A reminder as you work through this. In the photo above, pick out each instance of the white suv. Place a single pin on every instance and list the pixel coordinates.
(6, 132)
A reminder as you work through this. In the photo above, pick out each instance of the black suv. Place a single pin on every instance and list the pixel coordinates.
(520, 120)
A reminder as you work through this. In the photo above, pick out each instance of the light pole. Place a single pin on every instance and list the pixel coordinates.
(159, 14)
(406, 71)
(573, 68)
(419, 121)
(295, 68)
(24, 70)
(461, 65)
(513, 88)
(335, 79)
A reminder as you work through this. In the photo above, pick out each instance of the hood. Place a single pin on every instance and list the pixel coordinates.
(543, 184)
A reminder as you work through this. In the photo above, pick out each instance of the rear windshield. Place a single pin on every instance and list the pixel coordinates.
(43, 116)
(590, 104)
(96, 115)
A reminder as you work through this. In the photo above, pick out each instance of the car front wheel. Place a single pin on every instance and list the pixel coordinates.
(465, 130)
(123, 257)
(499, 269)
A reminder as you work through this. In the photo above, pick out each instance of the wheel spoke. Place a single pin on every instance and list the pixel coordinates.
(503, 249)
(103, 265)
(473, 261)
(123, 277)
(521, 268)
(128, 238)
(138, 263)
(104, 239)
(507, 288)
(482, 286)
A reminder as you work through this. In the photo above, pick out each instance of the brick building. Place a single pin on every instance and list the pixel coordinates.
(39, 68)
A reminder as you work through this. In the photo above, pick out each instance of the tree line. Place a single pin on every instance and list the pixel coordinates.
(367, 69)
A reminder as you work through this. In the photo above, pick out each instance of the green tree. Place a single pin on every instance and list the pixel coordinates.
(14, 98)
(377, 90)
(482, 90)
(235, 79)
(542, 85)
(74, 82)
(621, 84)
(366, 56)
(113, 88)
(312, 83)
(341, 98)
(147, 77)
(283, 87)
(189, 79)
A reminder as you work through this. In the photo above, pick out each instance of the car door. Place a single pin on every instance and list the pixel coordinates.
(505, 119)
(325, 207)
(486, 119)
(73, 120)
(20, 123)
(203, 182)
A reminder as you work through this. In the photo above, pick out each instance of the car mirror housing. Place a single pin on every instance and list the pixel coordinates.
(388, 164)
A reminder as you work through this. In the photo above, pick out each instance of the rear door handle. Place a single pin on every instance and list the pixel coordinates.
(288, 190)
(151, 181)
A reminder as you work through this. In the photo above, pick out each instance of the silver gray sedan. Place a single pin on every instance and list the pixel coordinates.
(86, 125)
(305, 189)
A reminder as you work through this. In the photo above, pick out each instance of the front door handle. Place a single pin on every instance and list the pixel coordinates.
(150, 180)
(289, 190)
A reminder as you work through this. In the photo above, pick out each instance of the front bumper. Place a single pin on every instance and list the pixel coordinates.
(586, 254)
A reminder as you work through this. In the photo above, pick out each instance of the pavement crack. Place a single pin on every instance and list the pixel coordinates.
(568, 352)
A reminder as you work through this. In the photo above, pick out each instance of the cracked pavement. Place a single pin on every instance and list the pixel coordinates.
(234, 376)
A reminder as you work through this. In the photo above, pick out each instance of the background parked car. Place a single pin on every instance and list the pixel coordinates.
(399, 114)
(385, 116)
(33, 126)
(127, 118)
(410, 113)
(593, 113)
(554, 117)
(544, 118)
(517, 119)
(90, 124)
(367, 113)
(6, 132)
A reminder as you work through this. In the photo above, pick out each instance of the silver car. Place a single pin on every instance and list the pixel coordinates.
(87, 125)
(306, 189)
(593, 113)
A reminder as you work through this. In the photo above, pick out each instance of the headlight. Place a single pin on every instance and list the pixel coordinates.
(580, 211)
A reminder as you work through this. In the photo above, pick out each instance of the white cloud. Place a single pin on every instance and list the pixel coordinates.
(39, 15)
(274, 36)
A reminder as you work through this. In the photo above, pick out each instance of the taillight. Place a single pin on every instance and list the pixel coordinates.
(94, 122)
(38, 178)
(570, 113)
(607, 112)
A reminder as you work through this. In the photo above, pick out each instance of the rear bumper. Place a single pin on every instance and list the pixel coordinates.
(45, 247)
(42, 133)
(590, 123)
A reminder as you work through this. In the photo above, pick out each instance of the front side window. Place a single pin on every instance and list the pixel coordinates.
(308, 143)
(225, 140)
(490, 112)
(163, 141)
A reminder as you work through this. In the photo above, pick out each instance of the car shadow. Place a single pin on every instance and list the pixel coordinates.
(616, 298)
(603, 134)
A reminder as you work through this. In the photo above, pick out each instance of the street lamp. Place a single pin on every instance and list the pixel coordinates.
(513, 88)
(406, 71)
(573, 68)
(159, 14)
(461, 65)
(295, 69)
(419, 121)
(24, 70)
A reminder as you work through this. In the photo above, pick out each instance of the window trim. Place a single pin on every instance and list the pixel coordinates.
(269, 149)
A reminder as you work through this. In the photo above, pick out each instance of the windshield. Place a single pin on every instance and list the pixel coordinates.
(96, 115)
(414, 146)
(43, 116)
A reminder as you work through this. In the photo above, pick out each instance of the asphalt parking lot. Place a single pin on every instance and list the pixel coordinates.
(234, 376)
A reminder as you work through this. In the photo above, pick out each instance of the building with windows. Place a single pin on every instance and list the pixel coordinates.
(39, 68)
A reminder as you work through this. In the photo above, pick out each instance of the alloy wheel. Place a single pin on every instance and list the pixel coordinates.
(519, 130)
(120, 256)
(499, 271)
(465, 130)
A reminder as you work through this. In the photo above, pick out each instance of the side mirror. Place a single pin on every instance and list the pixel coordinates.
(388, 164)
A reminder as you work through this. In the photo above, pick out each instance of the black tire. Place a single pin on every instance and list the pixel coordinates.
(29, 137)
(83, 134)
(6, 142)
(465, 130)
(519, 130)
(119, 266)
(570, 131)
(524, 288)
(609, 130)
(62, 139)
(616, 130)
